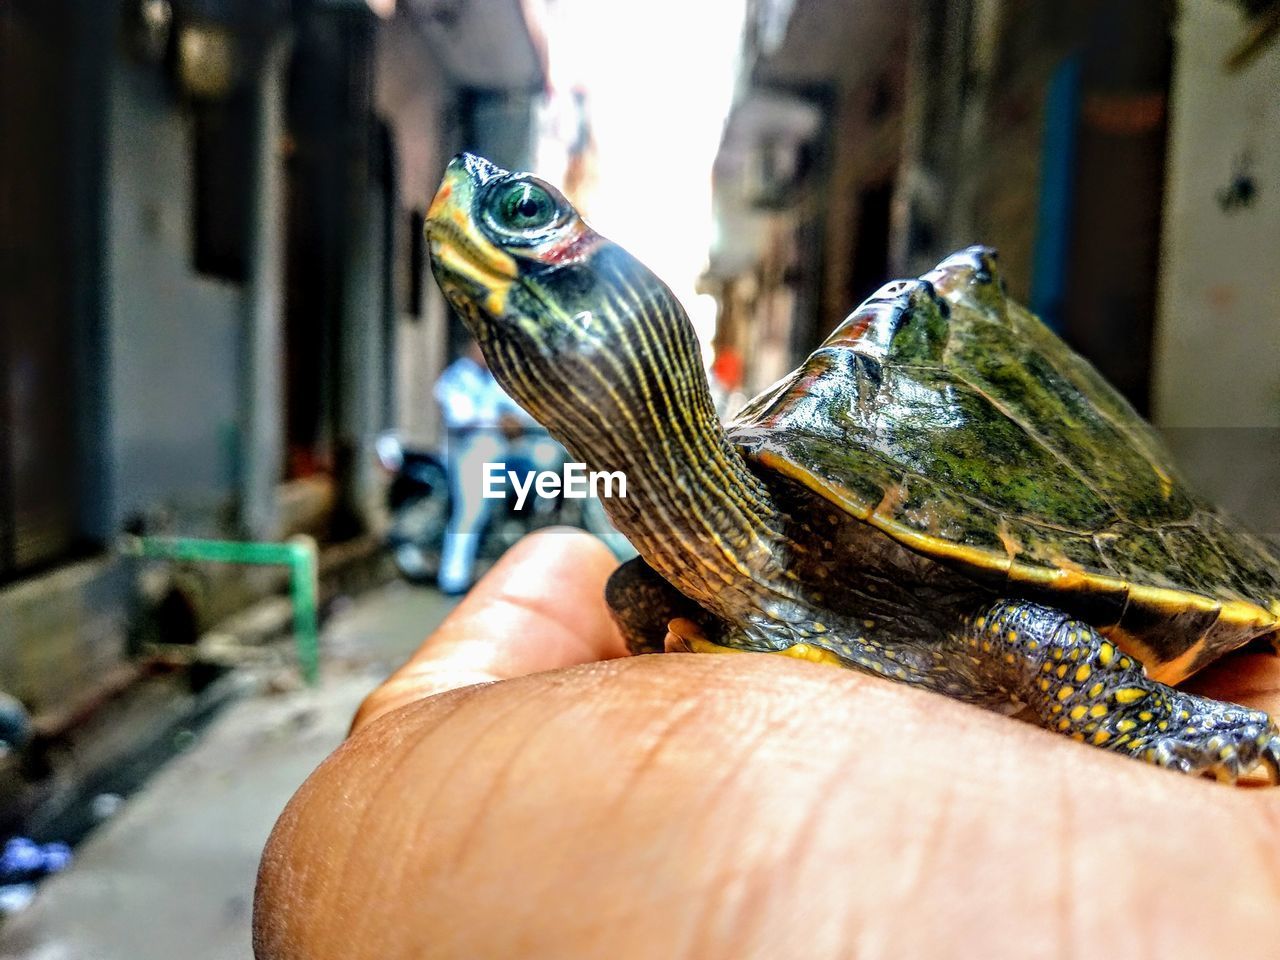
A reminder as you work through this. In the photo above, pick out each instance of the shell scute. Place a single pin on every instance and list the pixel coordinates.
(987, 442)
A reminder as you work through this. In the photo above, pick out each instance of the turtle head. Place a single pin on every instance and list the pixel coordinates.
(599, 350)
(573, 326)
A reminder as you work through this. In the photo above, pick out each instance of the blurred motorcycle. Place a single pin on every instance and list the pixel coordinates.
(420, 503)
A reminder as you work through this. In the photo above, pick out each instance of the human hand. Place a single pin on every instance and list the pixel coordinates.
(587, 805)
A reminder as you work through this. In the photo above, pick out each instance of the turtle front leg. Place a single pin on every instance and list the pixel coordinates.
(643, 603)
(1076, 682)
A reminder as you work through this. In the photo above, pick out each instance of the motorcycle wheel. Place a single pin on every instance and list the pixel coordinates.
(417, 534)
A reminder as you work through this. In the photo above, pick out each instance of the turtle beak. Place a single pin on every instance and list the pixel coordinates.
(465, 261)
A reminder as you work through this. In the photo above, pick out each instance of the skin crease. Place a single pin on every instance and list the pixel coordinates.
(587, 805)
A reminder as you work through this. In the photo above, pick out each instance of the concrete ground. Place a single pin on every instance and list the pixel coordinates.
(171, 874)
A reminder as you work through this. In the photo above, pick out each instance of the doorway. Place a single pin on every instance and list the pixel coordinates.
(1109, 297)
(52, 82)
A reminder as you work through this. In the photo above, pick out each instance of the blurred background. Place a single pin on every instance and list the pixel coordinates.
(216, 308)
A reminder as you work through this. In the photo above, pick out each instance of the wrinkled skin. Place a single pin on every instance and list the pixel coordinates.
(687, 806)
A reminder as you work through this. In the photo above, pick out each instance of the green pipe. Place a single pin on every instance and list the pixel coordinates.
(299, 555)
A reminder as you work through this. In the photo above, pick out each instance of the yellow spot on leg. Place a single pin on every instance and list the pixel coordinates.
(800, 651)
(805, 651)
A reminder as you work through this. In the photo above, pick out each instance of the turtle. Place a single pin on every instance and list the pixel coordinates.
(942, 494)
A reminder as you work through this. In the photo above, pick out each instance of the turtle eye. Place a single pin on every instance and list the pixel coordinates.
(523, 211)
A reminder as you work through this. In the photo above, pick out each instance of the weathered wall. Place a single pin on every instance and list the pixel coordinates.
(413, 95)
(64, 632)
(172, 334)
(166, 418)
(262, 342)
(1221, 266)
(1217, 376)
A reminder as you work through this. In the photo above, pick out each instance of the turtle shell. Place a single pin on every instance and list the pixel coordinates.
(954, 421)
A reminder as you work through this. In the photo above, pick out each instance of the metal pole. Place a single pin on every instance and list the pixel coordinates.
(300, 555)
(304, 582)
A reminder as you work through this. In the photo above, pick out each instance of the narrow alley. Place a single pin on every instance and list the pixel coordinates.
(171, 873)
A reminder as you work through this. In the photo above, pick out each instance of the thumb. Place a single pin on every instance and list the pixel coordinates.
(541, 607)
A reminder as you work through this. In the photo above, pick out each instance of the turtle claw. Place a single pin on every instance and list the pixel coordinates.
(1077, 682)
(1270, 759)
(1228, 753)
